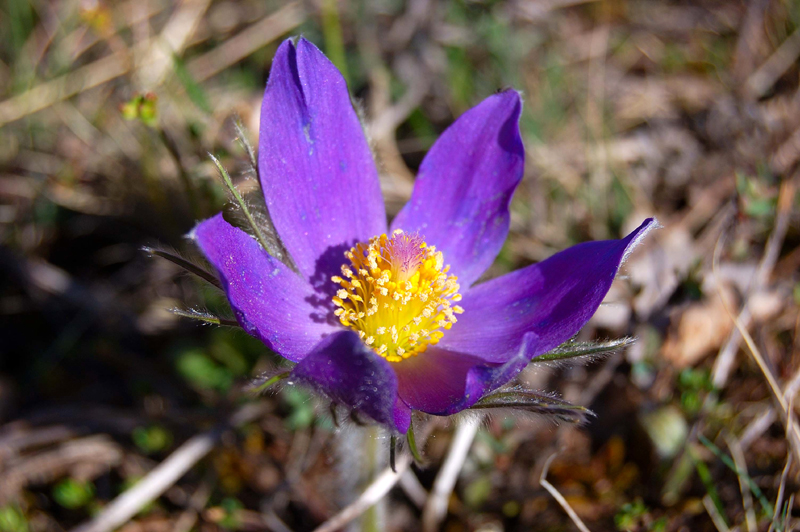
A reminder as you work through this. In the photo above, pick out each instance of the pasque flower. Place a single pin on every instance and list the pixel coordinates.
(390, 319)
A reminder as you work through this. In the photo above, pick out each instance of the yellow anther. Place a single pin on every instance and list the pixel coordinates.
(396, 293)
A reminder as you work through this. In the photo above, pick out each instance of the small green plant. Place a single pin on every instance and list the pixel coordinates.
(202, 372)
(12, 519)
(636, 516)
(73, 494)
(301, 408)
(152, 439)
(694, 384)
(231, 519)
(142, 107)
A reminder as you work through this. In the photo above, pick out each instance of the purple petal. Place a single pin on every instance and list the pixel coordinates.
(348, 372)
(443, 382)
(270, 301)
(317, 172)
(550, 300)
(464, 186)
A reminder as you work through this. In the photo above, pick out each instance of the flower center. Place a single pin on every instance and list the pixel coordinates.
(397, 295)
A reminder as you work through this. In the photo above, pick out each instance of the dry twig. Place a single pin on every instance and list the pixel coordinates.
(778, 63)
(129, 503)
(436, 506)
(374, 493)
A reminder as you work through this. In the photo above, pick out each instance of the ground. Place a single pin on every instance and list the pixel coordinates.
(687, 111)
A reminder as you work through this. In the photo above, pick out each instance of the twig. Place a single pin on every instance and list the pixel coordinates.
(374, 493)
(778, 63)
(560, 498)
(436, 505)
(757, 427)
(748, 39)
(413, 489)
(129, 503)
(723, 365)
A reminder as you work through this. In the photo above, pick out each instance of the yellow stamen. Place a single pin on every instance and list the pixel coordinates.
(397, 294)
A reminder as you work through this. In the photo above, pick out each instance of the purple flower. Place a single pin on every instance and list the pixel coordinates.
(386, 320)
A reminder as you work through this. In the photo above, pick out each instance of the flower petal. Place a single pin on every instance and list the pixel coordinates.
(271, 302)
(317, 172)
(551, 300)
(443, 382)
(464, 186)
(348, 372)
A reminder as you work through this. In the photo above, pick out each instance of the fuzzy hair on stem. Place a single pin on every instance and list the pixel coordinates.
(187, 264)
(539, 403)
(205, 317)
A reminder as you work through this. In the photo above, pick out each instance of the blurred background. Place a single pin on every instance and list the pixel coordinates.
(689, 111)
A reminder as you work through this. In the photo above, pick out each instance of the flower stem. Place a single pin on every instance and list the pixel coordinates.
(372, 518)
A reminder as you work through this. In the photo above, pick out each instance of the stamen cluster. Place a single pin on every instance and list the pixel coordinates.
(397, 295)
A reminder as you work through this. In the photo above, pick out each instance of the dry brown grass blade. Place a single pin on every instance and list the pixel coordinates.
(374, 493)
(741, 465)
(173, 39)
(247, 41)
(558, 497)
(94, 452)
(779, 62)
(784, 475)
(723, 365)
(68, 85)
(118, 64)
(786, 414)
(713, 513)
(436, 505)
